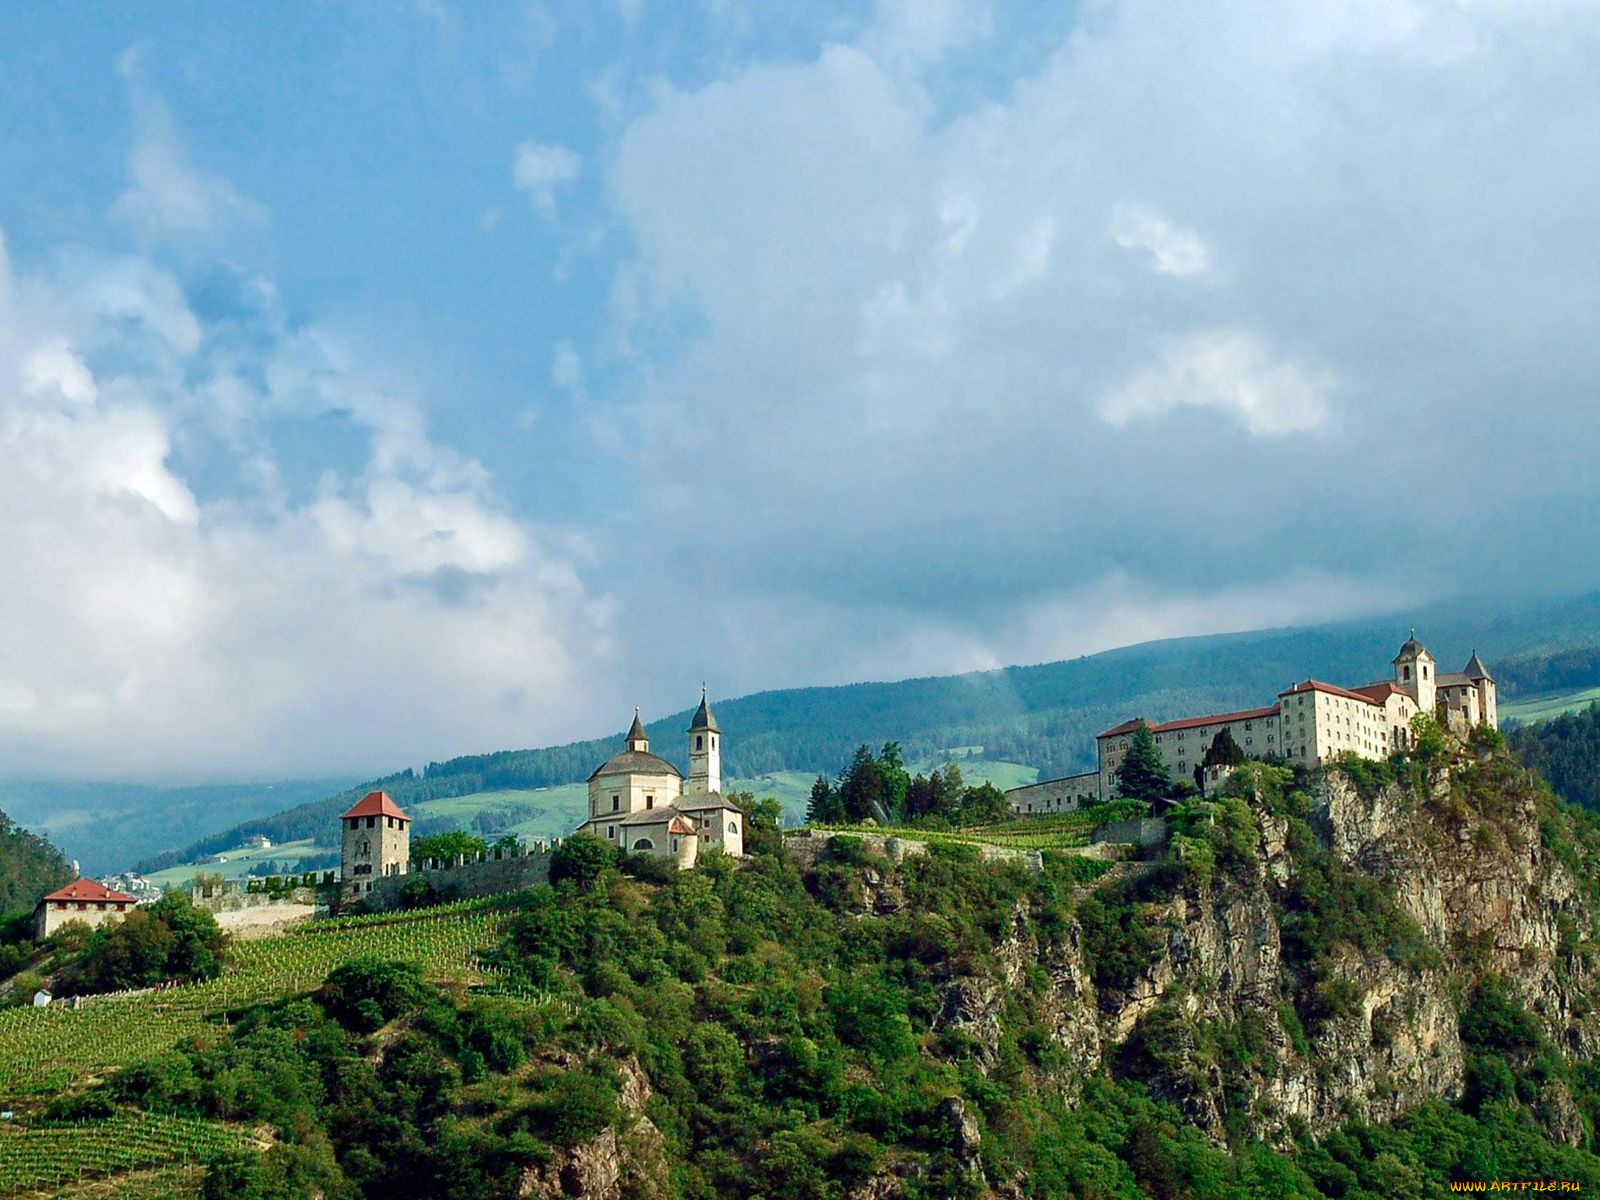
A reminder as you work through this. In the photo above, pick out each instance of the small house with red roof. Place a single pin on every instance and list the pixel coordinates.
(376, 842)
(82, 900)
(1311, 723)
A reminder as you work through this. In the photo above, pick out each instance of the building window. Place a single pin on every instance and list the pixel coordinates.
(372, 822)
(644, 844)
(733, 827)
(699, 740)
(649, 801)
(674, 844)
(616, 803)
(611, 832)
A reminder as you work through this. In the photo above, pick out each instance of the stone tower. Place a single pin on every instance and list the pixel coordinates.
(705, 753)
(1415, 673)
(377, 841)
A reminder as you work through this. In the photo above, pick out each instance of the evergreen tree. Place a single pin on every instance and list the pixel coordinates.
(1142, 775)
(826, 808)
(863, 788)
(1223, 751)
(896, 782)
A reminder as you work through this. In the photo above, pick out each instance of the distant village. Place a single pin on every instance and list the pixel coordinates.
(641, 803)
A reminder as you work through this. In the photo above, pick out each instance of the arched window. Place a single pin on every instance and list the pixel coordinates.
(733, 827)
(699, 741)
(644, 844)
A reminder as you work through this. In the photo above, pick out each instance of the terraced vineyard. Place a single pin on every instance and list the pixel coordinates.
(47, 1051)
(1063, 831)
(49, 1156)
(43, 1051)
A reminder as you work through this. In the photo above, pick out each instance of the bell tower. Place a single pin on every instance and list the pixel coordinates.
(1415, 673)
(705, 751)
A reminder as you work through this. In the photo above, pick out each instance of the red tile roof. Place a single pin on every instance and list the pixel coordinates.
(1249, 714)
(376, 804)
(1316, 685)
(1379, 692)
(89, 889)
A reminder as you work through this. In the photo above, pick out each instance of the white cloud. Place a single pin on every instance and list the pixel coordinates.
(1230, 370)
(539, 169)
(396, 614)
(914, 33)
(1173, 249)
(167, 196)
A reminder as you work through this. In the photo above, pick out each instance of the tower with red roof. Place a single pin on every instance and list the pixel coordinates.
(377, 842)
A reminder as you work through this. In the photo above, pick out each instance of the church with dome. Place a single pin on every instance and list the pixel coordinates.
(640, 802)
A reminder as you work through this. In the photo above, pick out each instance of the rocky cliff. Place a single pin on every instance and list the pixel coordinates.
(1302, 957)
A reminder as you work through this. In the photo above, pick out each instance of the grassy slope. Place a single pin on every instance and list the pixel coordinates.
(107, 826)
(1044, 716)
(1553, 704)
(546, 813)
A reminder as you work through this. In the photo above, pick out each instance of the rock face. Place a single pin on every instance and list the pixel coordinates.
(626, 1159)
(1465, 861)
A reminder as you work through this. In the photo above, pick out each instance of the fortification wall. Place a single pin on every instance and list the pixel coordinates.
(806, 847)
(233, 898)
(464, 877)
(1143, 831)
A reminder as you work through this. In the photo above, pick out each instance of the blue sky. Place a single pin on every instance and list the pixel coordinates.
(384, 382)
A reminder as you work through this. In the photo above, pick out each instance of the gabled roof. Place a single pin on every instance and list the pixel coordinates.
(1316, 685)
(703, 718)
(667, 815)
(90, 889)
(1249, 714)
(1380, 692)
(705, 803)
(376, 804)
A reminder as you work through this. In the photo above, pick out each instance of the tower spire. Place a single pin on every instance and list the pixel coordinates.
(637, 738)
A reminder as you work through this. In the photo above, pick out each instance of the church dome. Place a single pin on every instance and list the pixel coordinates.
(636, 762)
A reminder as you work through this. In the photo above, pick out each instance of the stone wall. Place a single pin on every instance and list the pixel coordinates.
(806, 846)
(230, 897)
(466, 877)
(1142, 831)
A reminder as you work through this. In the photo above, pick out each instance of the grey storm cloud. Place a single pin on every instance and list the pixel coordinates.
(1228, 312)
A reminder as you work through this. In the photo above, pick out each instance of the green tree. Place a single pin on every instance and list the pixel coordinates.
(864, 788)
(826, 807)
(447, 845)
(581, 858)
(1142, 774)
(896, 780)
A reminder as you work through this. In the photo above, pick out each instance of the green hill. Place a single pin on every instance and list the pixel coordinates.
(29, 867)
(108, 826)
(1042, 717)
(1254, 1012)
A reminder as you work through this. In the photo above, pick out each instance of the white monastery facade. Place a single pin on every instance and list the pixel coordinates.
(1308, 724)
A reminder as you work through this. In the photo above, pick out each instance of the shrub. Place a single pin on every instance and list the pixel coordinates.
(580, 859)
(368, 992)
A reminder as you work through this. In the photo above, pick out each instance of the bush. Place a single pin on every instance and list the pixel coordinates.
(367, 993)
(580, 859)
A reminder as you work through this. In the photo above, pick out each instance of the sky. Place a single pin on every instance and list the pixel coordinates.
(385, 382)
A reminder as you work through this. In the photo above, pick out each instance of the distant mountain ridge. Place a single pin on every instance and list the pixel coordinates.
(1044, 716)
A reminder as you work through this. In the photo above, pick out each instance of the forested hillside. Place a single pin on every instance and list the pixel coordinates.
(1044, 716)
(29, 867)
(1566, 751)
(1270, 1007)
